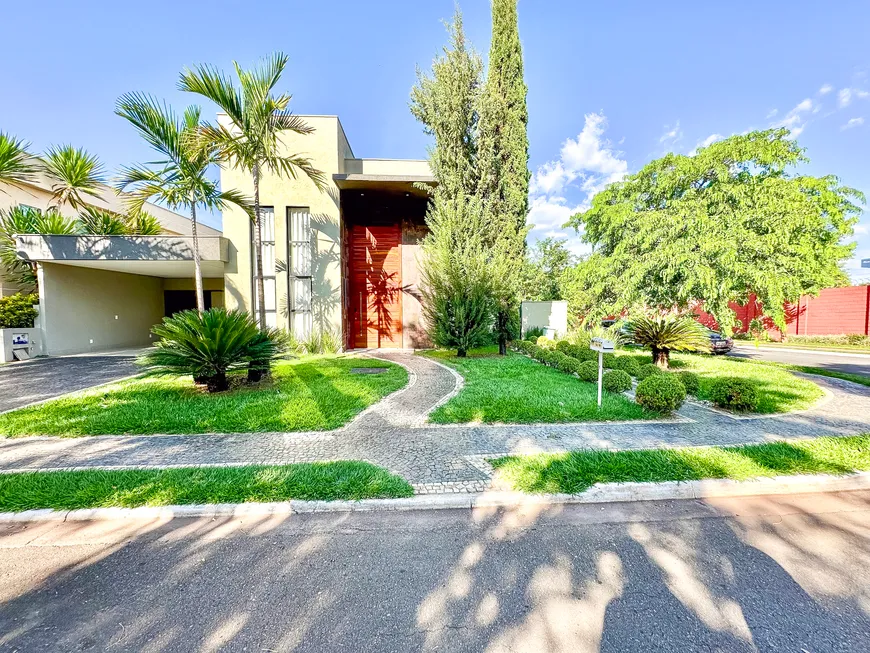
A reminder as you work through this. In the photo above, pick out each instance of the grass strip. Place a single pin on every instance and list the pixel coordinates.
(328, 481)
(515, 389)
(820, 371)
(576, 471)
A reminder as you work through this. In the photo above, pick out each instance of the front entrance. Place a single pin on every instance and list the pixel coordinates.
(375, 302)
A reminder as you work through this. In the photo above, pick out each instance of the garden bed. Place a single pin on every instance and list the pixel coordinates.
(70, 490)
(310, 393)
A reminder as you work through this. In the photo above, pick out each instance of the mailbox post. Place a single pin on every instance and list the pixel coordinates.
(602, 346)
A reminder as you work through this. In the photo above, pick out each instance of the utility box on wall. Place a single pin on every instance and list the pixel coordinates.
(20, 344)
(552, 317)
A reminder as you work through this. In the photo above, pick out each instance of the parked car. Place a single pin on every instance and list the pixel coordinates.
(720, 344)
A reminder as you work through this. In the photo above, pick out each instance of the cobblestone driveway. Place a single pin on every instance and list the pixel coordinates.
(393, 433)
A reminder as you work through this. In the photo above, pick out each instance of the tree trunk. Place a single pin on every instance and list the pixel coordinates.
(461, 353)
(258, 252)
(255, 373)
(217, 383)
(197, 263)
(661, 357)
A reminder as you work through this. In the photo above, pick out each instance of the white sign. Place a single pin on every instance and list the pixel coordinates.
(865, 262)
(20, 339)
(600, 344)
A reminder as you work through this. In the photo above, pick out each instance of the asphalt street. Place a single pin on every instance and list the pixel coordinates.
(836, 361)
(753, 574)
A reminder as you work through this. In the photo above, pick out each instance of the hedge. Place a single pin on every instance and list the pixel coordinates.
(734, 393)
(17, 312)
(616, 381)
(662, 393)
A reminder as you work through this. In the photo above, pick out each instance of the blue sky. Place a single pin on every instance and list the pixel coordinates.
(611, 85)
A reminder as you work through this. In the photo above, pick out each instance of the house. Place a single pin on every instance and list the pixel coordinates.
(341, 259)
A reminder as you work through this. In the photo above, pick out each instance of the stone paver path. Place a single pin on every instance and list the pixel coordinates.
(435, 458)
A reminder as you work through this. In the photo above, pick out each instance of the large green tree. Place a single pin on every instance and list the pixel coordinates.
(731, 220)
(503, 162)
(253, 141)
(17, 165)
(548, 261)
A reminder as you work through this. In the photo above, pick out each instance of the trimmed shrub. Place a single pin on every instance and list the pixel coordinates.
(532, 334)
(616, 381)
(663, 393)
(544, 341)
(17, 312)
(691, 381)
(607, 360)
(648, 370)
(588, 371)
(564, 346)
(734, 393)
(570, 365)
(676, 364)
(547, 356)
(558, 359)
(628, 364)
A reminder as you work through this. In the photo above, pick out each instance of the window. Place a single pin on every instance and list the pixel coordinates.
(267, 221)
(299, 270)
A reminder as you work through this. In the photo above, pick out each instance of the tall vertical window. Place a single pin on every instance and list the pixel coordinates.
(267, 220)
(299, 270)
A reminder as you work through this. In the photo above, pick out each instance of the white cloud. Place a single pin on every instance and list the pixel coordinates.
(795, 120)
(671, 136)
(772, 113)
(712, 138)
(854, 122)
(826, 88)
(590, 159)
(844, 97)
(862, 229)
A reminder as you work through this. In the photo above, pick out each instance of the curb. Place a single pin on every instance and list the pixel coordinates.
(599, 493)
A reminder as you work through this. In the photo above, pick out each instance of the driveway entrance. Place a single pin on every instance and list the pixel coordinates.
(45, 378)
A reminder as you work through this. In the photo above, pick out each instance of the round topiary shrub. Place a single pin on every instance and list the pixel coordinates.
(734, 393)
(558, 359)
(588, 371)
(608, 359)
(663, 393)
(691, 381)
(544, 341)
(627, 364)
(616, 381)
(564, 346)
(570, 365)
(647, 370)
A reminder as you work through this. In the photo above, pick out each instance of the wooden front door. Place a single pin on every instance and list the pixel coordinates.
(376, 286)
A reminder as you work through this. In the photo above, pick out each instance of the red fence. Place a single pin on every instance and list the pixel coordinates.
(833, 312)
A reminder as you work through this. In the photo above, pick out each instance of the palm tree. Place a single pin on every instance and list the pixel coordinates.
(24, 220)
(663, 334)
(101, 222)
(252, 143)
(180, 179)
(16, 163)
(73, 172)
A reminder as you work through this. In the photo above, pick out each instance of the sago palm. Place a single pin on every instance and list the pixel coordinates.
(664, 334)
(102, 222)
(180, 179)
(17, 165)
(252, 142)
(73, 173)
(209, 344)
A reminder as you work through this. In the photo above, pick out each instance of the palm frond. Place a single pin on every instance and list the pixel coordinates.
(16, 163)
(74, 172)
(211, 83)
(99, 222)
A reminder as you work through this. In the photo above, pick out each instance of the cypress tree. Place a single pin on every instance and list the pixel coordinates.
(503, 163)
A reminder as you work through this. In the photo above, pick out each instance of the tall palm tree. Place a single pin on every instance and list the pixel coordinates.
(25, 220)
(73, 173)
(180, 179)
(252, 143)
(16, 163)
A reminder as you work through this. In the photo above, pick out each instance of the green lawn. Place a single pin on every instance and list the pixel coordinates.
(779, 390)
(128, 489)
(577, 471)
(311, 393)
(516, 389)
(820, 371)
(855, 349)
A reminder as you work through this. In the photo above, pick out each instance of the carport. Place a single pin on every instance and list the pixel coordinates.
(99, 293)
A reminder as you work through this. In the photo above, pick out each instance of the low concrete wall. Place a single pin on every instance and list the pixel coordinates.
(550, 316)
(83, 309)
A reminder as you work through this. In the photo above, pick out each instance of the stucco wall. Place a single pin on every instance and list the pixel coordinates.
(414, 334)
(327, 148)
(83, 309)
(550, 316)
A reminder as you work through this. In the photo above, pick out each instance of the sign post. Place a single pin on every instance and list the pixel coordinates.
(602, 346)
(865, 262)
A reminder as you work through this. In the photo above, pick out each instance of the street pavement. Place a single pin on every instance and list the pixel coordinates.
(788, 573)
(835, 361)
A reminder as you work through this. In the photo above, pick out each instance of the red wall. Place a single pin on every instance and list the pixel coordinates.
(833, 312)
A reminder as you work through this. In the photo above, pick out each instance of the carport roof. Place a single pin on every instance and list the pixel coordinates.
(158, 256)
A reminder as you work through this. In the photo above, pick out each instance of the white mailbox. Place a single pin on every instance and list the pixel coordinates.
(602, 345)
